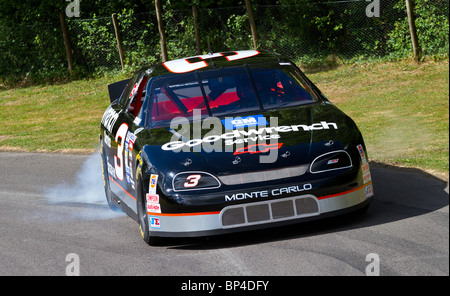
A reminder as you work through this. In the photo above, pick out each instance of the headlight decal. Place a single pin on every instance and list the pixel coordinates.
(335, 160)
(194, 180)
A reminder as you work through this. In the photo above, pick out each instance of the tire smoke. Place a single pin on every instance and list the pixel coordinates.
(85, 198)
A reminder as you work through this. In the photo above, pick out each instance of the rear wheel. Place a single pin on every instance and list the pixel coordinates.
(108, 192)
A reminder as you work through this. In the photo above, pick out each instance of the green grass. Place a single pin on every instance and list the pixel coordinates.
(62, 117)
(401, 108)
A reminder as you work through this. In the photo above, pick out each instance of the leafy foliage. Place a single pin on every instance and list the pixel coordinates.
(308, 31)
(432, 29)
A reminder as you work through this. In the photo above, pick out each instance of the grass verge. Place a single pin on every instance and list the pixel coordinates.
(401, 108)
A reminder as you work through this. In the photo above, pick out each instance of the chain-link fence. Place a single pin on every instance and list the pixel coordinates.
(345, 29)
(32, 50)
(321, 29)
(352, 29)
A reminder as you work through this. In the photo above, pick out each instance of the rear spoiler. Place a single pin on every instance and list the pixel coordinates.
(116, 89)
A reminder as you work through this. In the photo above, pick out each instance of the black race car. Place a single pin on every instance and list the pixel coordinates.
(227, 142)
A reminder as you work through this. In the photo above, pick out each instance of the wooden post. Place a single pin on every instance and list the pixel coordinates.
(252, 23)
(197, 35)
(413, 29)
(162, 34)
(66, 42)
(119, 40)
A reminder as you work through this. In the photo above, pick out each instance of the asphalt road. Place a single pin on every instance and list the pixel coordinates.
(53, 216)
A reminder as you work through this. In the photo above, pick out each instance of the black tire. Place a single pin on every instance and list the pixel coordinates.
(141, 206)
(108, 193)
(363, 210)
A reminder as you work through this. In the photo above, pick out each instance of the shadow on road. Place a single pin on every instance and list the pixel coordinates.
(400, 193)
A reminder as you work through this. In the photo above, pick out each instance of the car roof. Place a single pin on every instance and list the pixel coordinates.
(213, 61)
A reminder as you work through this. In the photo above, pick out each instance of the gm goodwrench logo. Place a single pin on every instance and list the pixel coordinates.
(252, 135)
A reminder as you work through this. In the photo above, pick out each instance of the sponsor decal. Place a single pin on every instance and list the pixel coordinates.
(131, 137)
(153, 205)
(369, 191)
(252, 139)
(367, 177)
(153, 208)
(333, 161)
(128, 158)
(111, 171)
(365, 168)
(109, 119)
(152, 198)
(267, 193)
(130, 149)
(252, 135)
(153, 183)
(361, 153)
(154, 222)
(365, 165)
(239, 122)
(258, 148)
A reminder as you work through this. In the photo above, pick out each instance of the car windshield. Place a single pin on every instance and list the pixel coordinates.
(228, 91)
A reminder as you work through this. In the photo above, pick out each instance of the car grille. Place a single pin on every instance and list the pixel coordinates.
(270, 211)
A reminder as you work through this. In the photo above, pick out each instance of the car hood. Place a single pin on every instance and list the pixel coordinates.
(294, 137)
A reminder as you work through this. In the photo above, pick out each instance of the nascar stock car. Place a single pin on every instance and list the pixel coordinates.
(228, 142)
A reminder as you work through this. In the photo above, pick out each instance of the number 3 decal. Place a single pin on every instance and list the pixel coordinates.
(184, 65)
(121, 133)
(192, 181)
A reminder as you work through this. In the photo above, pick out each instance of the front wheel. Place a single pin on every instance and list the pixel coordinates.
(141, 201)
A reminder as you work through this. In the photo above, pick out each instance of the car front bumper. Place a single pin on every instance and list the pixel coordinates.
(261, 214)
